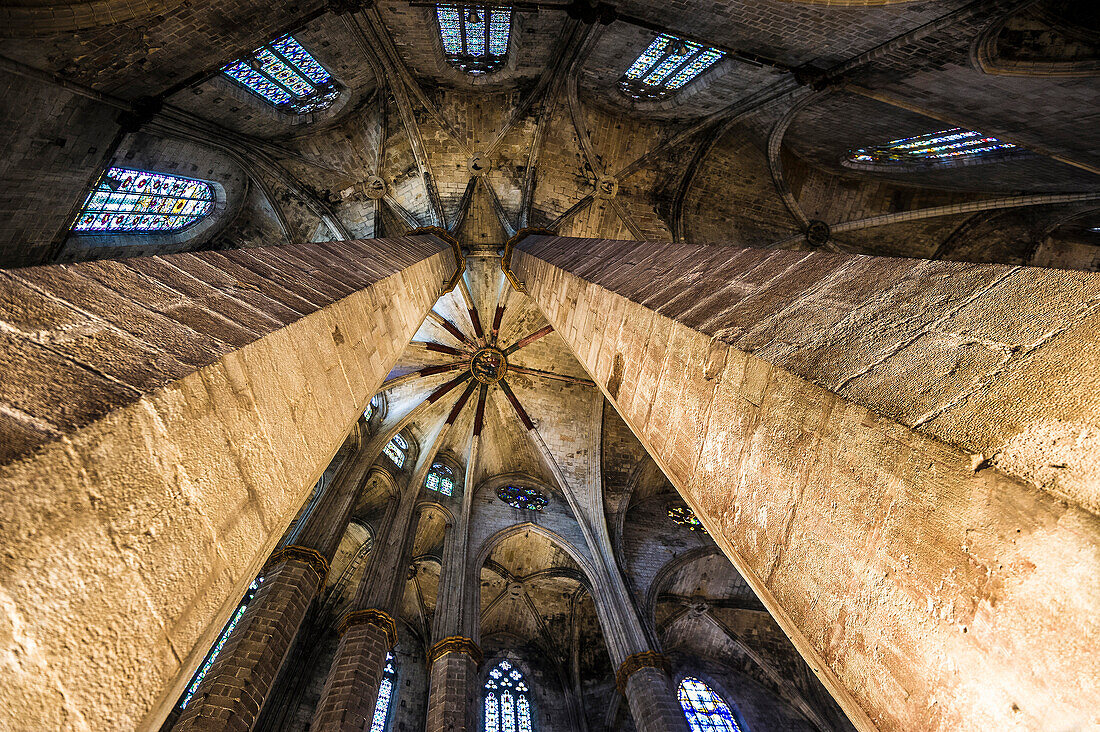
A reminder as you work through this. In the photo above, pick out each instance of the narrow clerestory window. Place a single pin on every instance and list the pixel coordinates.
(953, 146)
(386, 690)
(665, 66)
(137, 201)
(475, 37)
(286, 75)
(396, 450)
(440, 479)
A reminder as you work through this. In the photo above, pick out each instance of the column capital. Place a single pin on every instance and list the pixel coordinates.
(638, 661)
(456, 644)
(370, 616)
(312, 557)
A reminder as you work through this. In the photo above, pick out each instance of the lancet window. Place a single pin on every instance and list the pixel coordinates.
(475, 37)
(951, 146)
(386, 690)
(397, 450)
(372, 407)
(507, 700)
(212, 656)
(705, 710)
(665, 66)
(286, 75)
(136, 201)
(440, 479)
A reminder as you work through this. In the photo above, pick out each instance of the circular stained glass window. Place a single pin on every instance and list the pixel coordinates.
(686, 517)
(531, 499)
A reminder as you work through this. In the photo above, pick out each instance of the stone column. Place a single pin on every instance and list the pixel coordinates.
(453, 675)
(233, 692)
(368, 632)
(643, 678)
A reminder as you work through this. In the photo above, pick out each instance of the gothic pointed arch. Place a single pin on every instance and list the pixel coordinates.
(1046, 38)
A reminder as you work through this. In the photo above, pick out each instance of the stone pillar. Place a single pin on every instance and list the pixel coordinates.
(284, 609)
(643, 678)
(368, 632)
(453, 674)
(863, 438)
(234, 690)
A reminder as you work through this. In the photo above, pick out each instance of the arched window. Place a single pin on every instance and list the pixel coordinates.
(372, 407)
(705, 710)
(507, 700)
(286, 75)
(396, 450)
(686, 517)
(138, 201)
(475, 37)
(217, 647)
(953, 146)
(516, 496)
(665, 66)
(441, 479)
(385, 696)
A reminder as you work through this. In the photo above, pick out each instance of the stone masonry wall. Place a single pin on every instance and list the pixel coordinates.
(172, 415)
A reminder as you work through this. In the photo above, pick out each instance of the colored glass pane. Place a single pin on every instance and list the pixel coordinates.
(666, 65)
(136, 201)
(705, 710)
(946, 146)
(395, 450)
(440, 478)
(521, 497)
(385, 696)
(475, 37)
(507, 702)
(212, 656)
(285, 74)
(686, 517)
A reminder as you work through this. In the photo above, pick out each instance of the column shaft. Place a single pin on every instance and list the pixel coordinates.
(653, 703)
(452, 678)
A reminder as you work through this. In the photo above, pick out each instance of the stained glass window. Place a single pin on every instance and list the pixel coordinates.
(686, 517)
(372, 407)
(705, 710)
(948, 146)
(507, 700)
(137, 201)
(665, 66)
(520, 497)
(285, 74)
(475, 37)
(440, 478)
(385, 695)
(208, 662)
(396, 449)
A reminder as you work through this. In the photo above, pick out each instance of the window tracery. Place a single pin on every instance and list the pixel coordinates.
(950, 146)
(507, 703)
(667, 64)
(686, 517)
(440, 479)
(475, 37)
(516, 496)
(286, 75)
(385, 695)
(137, 201)
(217, 647)
(704, 709)
(396, 450)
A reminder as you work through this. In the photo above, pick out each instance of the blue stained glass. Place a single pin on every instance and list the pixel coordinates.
(440, 479)
(217, 648)
(947, 145)
(475, 37)
(395, 450)
(705, 711)
(385, 696)
(126, 200)
(511, 710)
(285, 74)
(666, 65)
(521, 497)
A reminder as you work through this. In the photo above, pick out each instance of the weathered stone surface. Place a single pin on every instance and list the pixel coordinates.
(155, 506)
(914, 581)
